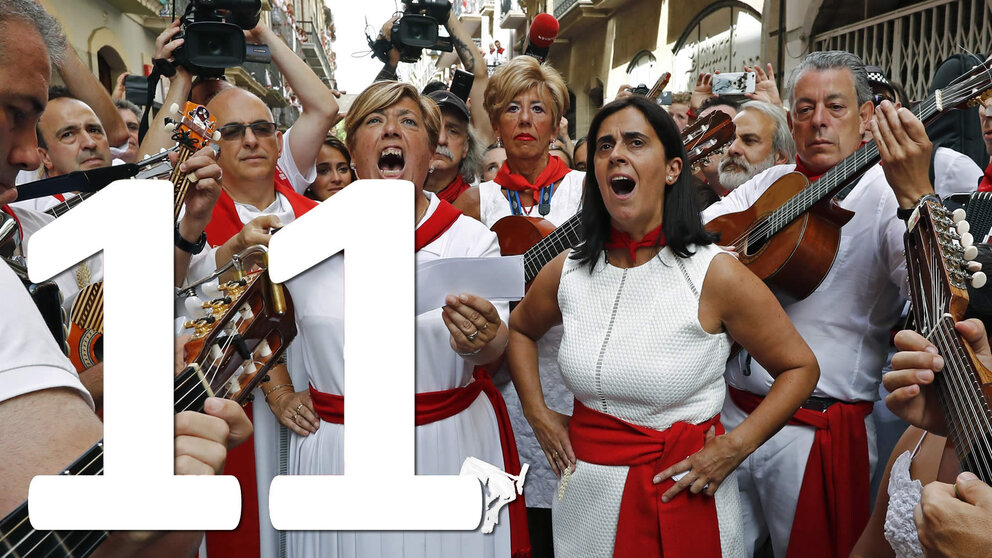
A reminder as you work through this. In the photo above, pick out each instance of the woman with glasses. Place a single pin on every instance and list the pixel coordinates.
(392, 132)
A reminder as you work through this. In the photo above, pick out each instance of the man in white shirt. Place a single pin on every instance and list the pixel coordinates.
(846, 321)
(47, 414)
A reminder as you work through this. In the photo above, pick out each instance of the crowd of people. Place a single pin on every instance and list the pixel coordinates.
(667, 401)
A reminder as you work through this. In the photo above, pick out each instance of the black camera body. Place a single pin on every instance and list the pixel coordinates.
(214, 33)
(417, 28)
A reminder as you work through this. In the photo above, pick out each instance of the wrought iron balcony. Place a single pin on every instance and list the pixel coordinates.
(312, 49)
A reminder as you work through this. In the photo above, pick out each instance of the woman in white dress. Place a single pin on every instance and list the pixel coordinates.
(392, 132)
(648, 305)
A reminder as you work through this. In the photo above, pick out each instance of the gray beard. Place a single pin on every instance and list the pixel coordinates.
(732, 179)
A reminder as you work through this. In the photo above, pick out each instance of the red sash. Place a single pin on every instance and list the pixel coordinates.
(833, 500)
(647, 528)
(243, 542)
(439, 405)
(225, 222)
(555, 171)
(451, 192)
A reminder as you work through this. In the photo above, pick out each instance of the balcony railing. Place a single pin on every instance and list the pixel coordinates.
(313, 51)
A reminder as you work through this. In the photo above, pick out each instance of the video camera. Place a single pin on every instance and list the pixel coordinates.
(215, 39)
(416, 30)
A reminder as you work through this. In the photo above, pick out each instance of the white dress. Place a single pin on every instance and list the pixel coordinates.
(541, 480)
(633, 348)
(904, 496)
(441, 447)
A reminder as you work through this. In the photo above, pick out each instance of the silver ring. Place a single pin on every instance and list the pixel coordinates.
(298, 407)
(473, 336)
(706, 487)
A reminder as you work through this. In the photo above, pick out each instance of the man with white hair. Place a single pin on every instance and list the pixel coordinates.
(761, 141)
(456, 159)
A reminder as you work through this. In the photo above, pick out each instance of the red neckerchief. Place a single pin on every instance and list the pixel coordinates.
(439, 405)
(451, 192)
(646, 528)
(985, 185)
(800, 167)
(833, 499)
(500, 50)
(434, 226)
(620, 239)
(225, 221)
(555, 171)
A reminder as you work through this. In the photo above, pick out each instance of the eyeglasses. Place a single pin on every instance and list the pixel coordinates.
(233, 132)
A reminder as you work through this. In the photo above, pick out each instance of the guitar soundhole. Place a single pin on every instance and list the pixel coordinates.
(754, 244)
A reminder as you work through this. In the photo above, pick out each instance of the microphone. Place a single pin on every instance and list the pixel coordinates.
(543, 31)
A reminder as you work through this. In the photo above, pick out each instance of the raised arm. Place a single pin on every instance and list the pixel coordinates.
(157, 137)
(83, 85)
(474, 62)
(320, 106)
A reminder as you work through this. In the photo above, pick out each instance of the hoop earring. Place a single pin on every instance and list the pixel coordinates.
(499, 142)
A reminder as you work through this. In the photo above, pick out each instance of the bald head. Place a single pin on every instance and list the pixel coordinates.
(247, 155)
(237, 105)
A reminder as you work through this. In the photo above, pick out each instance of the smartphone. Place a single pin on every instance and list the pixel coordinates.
(461, 84)
(136, 90)
(736, 83)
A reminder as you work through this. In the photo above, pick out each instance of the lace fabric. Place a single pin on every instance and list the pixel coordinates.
(904, 495)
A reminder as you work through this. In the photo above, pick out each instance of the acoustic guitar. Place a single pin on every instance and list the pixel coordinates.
(193, 131)
(540, 242)
(938, 252)
(234, 343)
(790, 235)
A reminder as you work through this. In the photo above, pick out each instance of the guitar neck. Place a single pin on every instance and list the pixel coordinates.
(964, 405)
(63, 207)
(179, 179)
(19, 540)
(566, 236)
(850, 169)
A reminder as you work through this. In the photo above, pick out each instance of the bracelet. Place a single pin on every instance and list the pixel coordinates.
(905, 214)
(187, 246)
(268, 393)
(470, 353)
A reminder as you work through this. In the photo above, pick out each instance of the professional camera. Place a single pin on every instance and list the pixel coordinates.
(215, 39)
(416, 30)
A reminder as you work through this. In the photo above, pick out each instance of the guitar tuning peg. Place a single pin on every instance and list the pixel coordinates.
(211, 290)
(194, 307)
(174, 109)
(263, 349)
(216, 136)
(970, 253)
(967, 240)
(958, 215)
(974, 266)
(978, 280)
(963, 227)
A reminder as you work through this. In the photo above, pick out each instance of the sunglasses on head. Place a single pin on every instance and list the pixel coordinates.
(237, 131)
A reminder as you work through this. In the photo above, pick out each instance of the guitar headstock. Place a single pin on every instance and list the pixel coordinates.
(659, 86)
(971, 88)
(195, 127)
(939, 251)
(240, 334)
(707, 136)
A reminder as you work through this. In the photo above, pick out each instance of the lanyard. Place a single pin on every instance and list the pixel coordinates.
(543, 208)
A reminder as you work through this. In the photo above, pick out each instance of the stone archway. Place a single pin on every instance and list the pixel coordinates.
(106, 62)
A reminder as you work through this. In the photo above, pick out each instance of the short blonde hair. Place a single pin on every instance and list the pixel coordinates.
(519, 75)
(383, 94)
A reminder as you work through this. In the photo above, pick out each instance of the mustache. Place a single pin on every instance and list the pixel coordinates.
(444, 152)
(738, 160)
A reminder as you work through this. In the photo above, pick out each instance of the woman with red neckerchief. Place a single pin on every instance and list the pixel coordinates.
(525, 101)
(648, 305)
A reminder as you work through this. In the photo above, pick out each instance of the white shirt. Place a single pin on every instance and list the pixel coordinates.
(30, 360)
(954, 173)
(847, 319)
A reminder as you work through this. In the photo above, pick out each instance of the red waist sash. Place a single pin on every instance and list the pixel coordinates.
(834, 497)
(685, 526)
(439, 405)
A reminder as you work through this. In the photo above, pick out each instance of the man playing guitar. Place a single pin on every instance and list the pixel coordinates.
(846, 320)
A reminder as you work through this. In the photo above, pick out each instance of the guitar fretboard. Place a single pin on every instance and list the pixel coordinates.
(566, 236)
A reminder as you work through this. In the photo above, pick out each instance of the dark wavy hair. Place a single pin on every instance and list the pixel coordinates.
(681, 224)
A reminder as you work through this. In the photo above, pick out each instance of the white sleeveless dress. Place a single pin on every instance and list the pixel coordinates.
(441, 447)
(633, 348)
(541, 480)
(904, 495)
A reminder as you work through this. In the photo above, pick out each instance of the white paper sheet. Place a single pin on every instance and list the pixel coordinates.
(495, 279)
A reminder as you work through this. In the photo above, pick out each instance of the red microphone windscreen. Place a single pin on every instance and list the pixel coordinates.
(543, 30)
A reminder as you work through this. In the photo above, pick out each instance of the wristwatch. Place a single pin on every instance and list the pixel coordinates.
(187, 246)
(905, 214)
